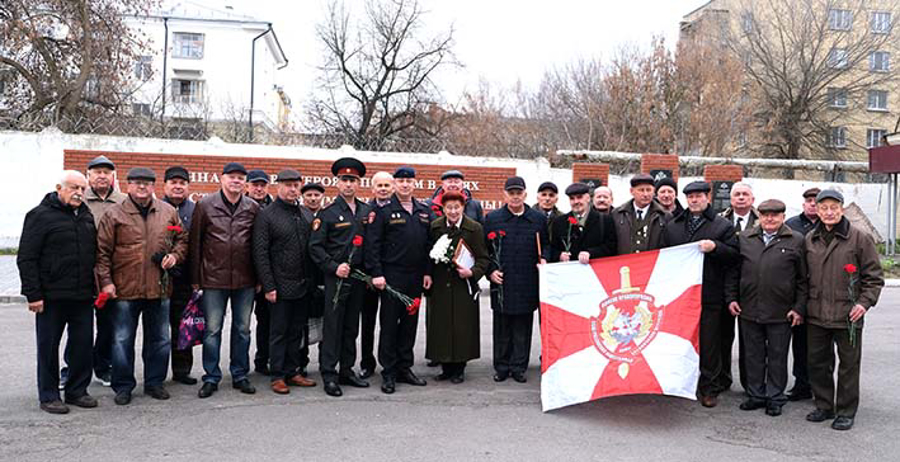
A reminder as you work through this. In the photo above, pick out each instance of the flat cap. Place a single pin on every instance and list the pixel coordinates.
(257, 175)
(771, 206)
(642, 178)
(811, 192)
(697, 186)
(141, 173)
(288, 174)
(830, 194)
(405, 172)
(177, 172)
(348, 166)
(453, 174)
(548, 185)
(101, 161)
(234, 167)
(316, 186)
(670, 182)
(575, 189)
(514, 182)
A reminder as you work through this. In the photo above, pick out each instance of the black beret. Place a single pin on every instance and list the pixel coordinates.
(141, 173)
(453, 174)
(771, 206)
(288, 174)
(641, 178)
(316, 186)
(514, 182)
(830, 194)
(257, 175)
(234, 167)
(348, 166)
(577, 188)
(811, 192)
(101, 161)
(177, 172)
(670, 182)
(405, 172)
(697, 186)
(548, 185)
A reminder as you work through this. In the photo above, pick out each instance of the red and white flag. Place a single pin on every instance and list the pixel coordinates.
(621, 325)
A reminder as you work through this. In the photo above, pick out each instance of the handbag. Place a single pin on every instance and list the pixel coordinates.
(193, 323)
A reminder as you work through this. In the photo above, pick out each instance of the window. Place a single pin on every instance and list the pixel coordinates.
(837, 58)
(92, 88)
(838, 137)
(747, 22)
(839, 19)
(879, 61)
(141, 109)
(187, 45)
(881, 22)
(837, 98)
(874, 137)
(877, 100)
(186, 91)
(143, 70)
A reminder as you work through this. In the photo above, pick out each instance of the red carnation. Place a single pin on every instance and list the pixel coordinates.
(414, 307)
(572, 221)
(850, 268)
(101, 300)
(502, 233)
(174, 228)
(492, 235)
(357, 241)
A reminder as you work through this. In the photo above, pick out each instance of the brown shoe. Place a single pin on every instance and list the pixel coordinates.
(301, 381)
(709, 401)
(278, 386)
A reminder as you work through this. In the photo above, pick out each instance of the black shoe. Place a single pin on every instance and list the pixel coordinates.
(86, 401)
(63, 377)
(388, 386)
(819, 415)
(799, 395)
(244, 386)
(751, 404)
(185, 379)
(333, 389)
(842, 423)
(105, 379)
(458, 378)
(353, 381)
(157, 392)
(410, 378)
(122, 398)
(519, 377)
(55, 407)
(443, 376)
(432, 364)
(501, 376)
(366, 372)
(773, 410)
(207, 390)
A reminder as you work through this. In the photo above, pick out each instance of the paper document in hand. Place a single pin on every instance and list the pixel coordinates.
(463, 256)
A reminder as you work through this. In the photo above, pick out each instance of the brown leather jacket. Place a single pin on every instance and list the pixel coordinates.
(126, 242)
(221, 243)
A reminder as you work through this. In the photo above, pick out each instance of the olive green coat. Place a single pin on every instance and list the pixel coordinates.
(452, 318)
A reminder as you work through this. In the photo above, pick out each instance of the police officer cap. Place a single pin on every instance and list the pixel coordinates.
(234, 167)
(177, 172)
(771, 206)
(575, 189)
(697, 186)
(348, 166)
(641, 178)
(257, 175)
(316, 186)
(811, 192)
(830, 194)
(101, 161)
(453, 174)
(514, 182)
(405, 172)
(141, 173)
(288, 174)
(548, 185)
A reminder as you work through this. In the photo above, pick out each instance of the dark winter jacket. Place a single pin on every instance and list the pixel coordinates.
(801, 223)
(280, 239)
(221, 243)
(597, 236)
(518, 257)
(655, 223)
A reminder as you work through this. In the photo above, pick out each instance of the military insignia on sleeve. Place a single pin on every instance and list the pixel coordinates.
(316, 224)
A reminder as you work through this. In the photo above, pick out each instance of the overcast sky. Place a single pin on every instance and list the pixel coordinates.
(501, 41)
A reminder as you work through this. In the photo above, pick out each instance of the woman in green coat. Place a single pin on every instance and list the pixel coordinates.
(452, 316)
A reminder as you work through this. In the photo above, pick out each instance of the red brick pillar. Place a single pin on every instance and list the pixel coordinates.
(721, 178)
(651, 162)
(590, 171)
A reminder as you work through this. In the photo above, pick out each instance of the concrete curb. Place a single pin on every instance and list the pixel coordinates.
(12, 299)
(892, 282)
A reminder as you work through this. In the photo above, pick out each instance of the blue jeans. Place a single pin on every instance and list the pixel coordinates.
(124, 317)
(213, 303)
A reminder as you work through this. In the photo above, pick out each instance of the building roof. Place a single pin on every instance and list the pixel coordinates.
(203, 10)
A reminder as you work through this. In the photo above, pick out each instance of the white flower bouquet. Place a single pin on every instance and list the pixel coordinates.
(442, 252)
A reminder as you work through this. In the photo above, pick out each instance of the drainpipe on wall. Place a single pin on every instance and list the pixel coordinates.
(162, 114)
(253, 75)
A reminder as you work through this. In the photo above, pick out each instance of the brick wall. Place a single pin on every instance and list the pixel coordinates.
(650, 162)
(723, 173)
(486, 183)
(581, 170)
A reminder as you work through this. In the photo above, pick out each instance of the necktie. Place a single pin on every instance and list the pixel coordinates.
(740, 224)
(767, 238)
(640, 215)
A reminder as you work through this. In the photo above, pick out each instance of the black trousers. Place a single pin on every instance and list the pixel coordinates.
(766, 347)
(288, 329)
(799, 350)
(714, 378)
(340, 328)
(315, 304)
(512, 341)
(822, 343)
(261, 308)
(182, 360)
(397, 337)
(727, 338)
(453, 368)
(369, 317)
(103, 342)
(58, 315)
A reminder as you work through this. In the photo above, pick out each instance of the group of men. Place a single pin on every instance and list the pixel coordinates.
(290, 259)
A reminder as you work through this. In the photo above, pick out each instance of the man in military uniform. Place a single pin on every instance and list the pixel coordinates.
(382, 188)
(397, 254)
(583, 233)
(258, 190)
(331, 246)
(640, 222)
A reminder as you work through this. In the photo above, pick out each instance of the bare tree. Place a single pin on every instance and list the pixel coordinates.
(376, 80)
